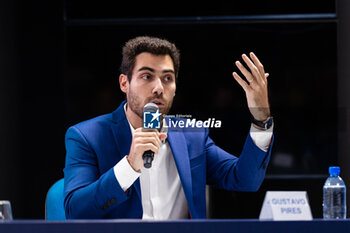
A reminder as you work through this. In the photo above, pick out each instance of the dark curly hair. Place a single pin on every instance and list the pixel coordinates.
(152, 45)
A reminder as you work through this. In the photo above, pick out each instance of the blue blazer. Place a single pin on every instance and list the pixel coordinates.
(95, 146)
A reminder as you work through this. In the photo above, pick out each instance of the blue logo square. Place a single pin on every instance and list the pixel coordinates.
(151, 120)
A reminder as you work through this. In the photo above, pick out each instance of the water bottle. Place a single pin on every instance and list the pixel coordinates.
(334, 196)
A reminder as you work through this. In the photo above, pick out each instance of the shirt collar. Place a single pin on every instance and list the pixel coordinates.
(131, 128)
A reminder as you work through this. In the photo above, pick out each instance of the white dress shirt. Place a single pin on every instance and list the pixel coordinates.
(161, 189)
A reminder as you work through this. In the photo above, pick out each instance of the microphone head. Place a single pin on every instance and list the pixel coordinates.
(151, 116)
(150, 107)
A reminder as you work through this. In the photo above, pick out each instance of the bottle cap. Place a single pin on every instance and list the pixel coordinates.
(335, 171)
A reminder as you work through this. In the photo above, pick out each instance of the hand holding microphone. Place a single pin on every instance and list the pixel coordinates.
(145, 143)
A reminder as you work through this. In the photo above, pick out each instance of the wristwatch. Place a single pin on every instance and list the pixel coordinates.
(263, 124)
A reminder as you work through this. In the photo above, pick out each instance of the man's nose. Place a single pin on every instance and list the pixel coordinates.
(158, 87)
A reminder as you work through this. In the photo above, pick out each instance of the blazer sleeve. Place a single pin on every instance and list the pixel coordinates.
(229, 172)
(87, 193)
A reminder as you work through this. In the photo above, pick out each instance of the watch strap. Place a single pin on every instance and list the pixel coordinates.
(263, 124)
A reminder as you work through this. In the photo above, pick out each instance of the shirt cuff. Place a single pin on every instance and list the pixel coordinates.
(125, 174)
(261, 138)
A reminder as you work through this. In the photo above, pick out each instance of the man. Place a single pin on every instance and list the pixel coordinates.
(104, 173)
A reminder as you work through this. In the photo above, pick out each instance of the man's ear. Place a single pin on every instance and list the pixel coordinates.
(123, 83)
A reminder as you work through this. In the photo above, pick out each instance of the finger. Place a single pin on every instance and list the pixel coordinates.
(258, 64)
(146, 134)
(141, 148)
(147, 137)
(240, 81)
(141, 130)
(245, 72)
(252, 67)
(267, 75)
(149, 130)
(163, 136)
(150, 146)
(144, 140)
(146, 129)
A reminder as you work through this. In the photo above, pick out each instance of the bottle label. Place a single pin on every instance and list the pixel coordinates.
(282, 205)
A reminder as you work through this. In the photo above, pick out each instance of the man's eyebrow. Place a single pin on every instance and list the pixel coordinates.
(146, 68)
(152, 70)
(168, 71)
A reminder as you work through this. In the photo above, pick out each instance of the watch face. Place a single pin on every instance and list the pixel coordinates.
(269, 123)
(265, 125)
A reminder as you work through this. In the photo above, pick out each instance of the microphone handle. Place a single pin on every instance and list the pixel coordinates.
(148, 158)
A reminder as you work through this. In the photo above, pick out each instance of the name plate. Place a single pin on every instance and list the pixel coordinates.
(281, 206)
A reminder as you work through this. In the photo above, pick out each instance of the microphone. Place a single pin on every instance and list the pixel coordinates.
(148, 155)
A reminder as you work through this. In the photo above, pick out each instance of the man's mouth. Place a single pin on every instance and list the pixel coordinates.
(158, 102)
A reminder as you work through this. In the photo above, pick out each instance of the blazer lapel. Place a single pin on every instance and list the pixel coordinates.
(122, 135)
(178, 146)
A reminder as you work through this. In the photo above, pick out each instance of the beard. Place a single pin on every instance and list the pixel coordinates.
(136, 105)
